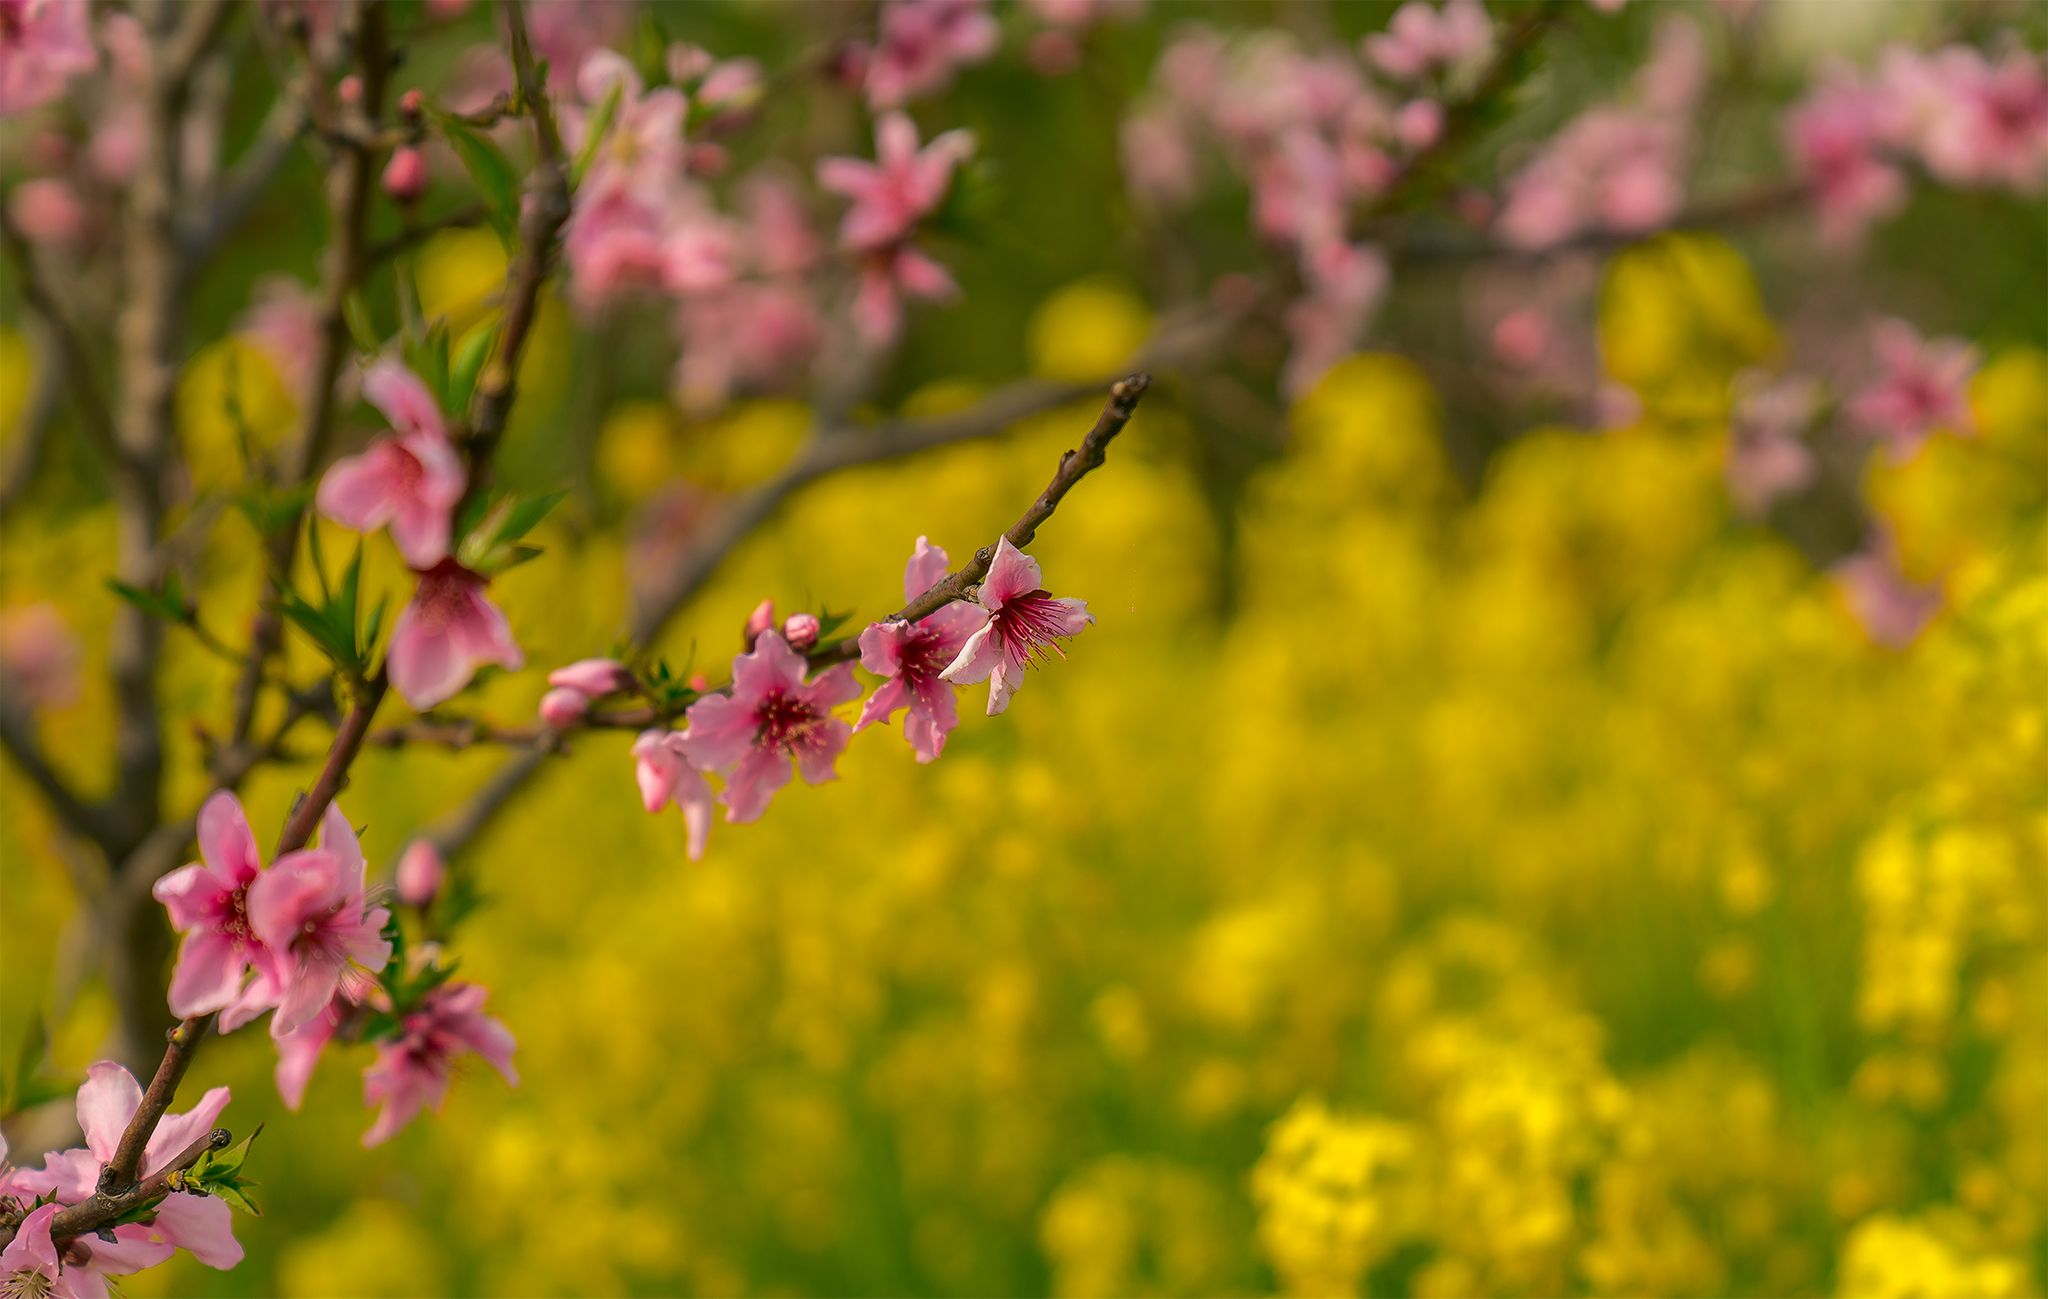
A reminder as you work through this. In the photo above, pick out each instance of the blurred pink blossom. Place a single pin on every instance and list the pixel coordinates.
(1420, 40)
(448, 630)
(1522, 337)
(749, 334)
(1158, 158)
(283, 322)
(409, 479)
(1991, 126)
(1834, 136)
(665, 776)
(772, 717)
(921, 43)
(1892, 608)
(912, 657)
(47, 211)
(902, 186)
(801, 631)
(1025, 624)
(731, 85)
(1419, 123)
(886, 279)
(43, 44)
(565, 32)
(413, 1070)
(39, 658)
(1615, 168)
(1767, 455)
(1925, 386)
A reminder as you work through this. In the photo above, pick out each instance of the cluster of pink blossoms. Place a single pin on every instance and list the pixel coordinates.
(1616, 166)
(1967, 119)
(919, 44)
(1315, 138)
(778, 720)
(410, 480)
(304, 939)
(747, 289)
(43, 45)
(202, 1224)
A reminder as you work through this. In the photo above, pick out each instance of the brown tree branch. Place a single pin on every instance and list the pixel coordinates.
(452, 831)
(122, 1171)
(90, 1216)
(87, 820)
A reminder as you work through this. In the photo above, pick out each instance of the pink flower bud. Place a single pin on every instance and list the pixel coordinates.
(699, 683)
(405, 177)
(350, 91)
(47, 212)
(420, 872)
(801, 631)
(1419, 123)
(563, 707)
(411, 104)
(705, 159)
(594, 677)
(762, 619)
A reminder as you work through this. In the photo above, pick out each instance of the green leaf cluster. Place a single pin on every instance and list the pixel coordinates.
(336, 624)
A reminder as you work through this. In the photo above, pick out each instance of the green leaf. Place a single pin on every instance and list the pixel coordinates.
(428, 358)
(492, 174)
(470, 355)
(35, 1039)
(527, 513)
(829, 622)
(170, 606)
(271, 512)
(355, 310)
(593, 134)
(219, 1173)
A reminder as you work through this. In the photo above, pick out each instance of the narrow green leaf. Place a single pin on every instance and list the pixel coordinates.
(524, 515)
(35, 1039)
(492, 174)
(593, 134)
(355, 310)
(470, 356)
(156, 606)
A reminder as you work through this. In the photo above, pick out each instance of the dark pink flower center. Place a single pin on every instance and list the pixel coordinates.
(785, 721)
(234, 919)
(925, 654)
(409, 470)
(445, 595)
(1032, 626)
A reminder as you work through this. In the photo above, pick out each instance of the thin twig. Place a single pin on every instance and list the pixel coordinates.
(348, 741)
(1124, 396)
(462, 218)
(89, 1217)
(87, 820)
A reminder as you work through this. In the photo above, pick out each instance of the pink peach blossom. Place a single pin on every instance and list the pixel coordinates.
(311, 908)
(298, 1052)
(921, 42)
(448, 630)
(201, 1224)
(1834, 137)
(283, 322)
(1025, 623)
(760, 620)
(1766, 457)
(913, 655)
(39, 658)
(1992, 128)
(420, 872)
(886, 279)
(1926, 386)
(43, 44)
(32, 1266)
(410, 479)
(665, 776)
(903, 184)
(751, 334)
(1420, 40)
(1892, 608)
(208, 902)
(413, 1070)
(772, 716)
